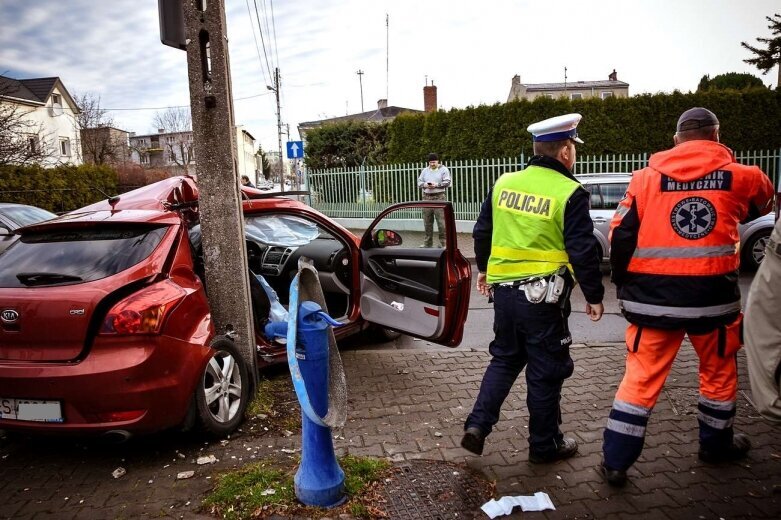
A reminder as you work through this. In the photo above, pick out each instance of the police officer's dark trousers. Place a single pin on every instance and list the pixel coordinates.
(535, 336)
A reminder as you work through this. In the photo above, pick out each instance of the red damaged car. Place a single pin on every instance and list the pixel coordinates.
(105, 324)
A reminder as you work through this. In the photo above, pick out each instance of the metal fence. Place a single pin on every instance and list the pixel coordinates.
(364, 191)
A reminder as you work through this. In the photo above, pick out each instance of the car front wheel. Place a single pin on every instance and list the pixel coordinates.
(223, 391)
(754, 249)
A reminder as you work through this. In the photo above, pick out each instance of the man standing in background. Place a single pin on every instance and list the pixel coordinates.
(434, 181)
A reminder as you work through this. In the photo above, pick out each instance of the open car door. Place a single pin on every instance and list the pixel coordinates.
(406, 286)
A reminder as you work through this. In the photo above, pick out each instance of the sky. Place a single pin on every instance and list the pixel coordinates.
(470, 50)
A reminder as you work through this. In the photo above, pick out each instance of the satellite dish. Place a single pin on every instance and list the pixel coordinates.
(56, 109)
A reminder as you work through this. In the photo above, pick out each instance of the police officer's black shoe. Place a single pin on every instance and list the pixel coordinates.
(566, 449)
(614, 477)
(737, 450)
(473, 440)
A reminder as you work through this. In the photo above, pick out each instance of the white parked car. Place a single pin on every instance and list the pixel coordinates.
(607, 190)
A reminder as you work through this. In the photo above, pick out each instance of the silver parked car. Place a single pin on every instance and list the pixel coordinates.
(15, 216)
(607, 190)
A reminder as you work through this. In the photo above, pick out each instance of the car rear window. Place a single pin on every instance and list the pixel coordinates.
(607, 196)
(62, 257)
(26, 215)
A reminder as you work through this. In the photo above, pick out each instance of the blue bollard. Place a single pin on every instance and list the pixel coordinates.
(319, 480)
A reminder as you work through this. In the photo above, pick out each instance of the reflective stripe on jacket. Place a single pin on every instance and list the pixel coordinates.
(528, 224)
(675, 241)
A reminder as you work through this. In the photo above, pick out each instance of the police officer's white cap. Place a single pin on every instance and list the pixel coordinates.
(557, 128)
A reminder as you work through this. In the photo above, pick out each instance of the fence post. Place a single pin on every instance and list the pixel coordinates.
(362, 183)
(777, 180)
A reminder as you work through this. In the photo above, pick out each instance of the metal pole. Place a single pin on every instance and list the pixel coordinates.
(360, 81)
(279, 132)
(224, 250)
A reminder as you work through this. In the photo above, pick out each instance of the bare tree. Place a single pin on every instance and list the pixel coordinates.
(22, 140)
(766, 58)
(178, 146)
(100, 142)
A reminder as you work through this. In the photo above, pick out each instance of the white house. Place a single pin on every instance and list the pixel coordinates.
(245, 154)
(46, 113)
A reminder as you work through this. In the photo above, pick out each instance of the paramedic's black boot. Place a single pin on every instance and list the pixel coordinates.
(614, 477)
(737, 450)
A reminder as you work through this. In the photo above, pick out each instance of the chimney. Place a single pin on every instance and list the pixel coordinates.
(430, 98)
(613, 76)
(161, 130)
(516, 82)
(382, 103)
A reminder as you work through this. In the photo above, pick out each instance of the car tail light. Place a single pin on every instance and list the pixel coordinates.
(123, 416)
(143, 312)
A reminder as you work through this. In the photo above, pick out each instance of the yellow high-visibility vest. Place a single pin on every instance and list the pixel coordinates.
(528, 224)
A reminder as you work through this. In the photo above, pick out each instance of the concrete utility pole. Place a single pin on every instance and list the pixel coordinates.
(222, 224)
(275, 89)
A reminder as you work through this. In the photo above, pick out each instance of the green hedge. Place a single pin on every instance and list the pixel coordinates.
(59, 189)
(645, 123)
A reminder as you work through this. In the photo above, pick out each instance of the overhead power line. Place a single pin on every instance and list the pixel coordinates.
(257, 48)
(183, 106)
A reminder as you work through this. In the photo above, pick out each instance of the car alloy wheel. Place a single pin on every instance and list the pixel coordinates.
(755, 249)
(223, 390)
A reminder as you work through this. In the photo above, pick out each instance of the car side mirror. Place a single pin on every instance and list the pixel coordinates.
(386, 238)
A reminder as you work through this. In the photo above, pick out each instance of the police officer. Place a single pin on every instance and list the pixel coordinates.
(533, 233)
(675, 257)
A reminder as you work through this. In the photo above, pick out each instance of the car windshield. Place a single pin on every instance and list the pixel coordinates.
(61, 257)
(280, 230)
(26, 215)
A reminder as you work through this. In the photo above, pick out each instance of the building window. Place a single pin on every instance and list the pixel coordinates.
(606, 94)
(576, 95)
(56, 99)
(65, 146)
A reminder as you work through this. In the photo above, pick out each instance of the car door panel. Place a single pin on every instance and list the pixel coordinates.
(399, 312)
(423, 292)
(416, 278)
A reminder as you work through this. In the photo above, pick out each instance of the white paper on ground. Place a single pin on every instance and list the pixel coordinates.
(504, 506)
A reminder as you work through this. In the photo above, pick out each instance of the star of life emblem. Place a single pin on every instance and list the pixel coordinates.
(693, 218)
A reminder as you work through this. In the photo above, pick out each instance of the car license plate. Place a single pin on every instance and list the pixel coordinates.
(30, 410)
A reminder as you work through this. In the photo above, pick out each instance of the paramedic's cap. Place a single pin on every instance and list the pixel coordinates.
(557, 128)
(695, 118)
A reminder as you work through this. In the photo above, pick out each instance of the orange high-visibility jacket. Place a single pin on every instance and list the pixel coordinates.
(674, 238)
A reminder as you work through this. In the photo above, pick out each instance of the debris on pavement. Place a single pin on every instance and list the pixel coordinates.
(206, 459)
(504, 506)
(185, 474)
(119, 472)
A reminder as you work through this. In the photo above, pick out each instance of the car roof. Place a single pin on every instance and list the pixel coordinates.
(596, 178)
(126, 216)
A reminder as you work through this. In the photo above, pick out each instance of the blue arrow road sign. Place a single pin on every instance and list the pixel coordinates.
(295, 149)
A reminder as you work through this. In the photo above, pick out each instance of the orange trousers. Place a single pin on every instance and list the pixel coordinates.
(651, 353)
